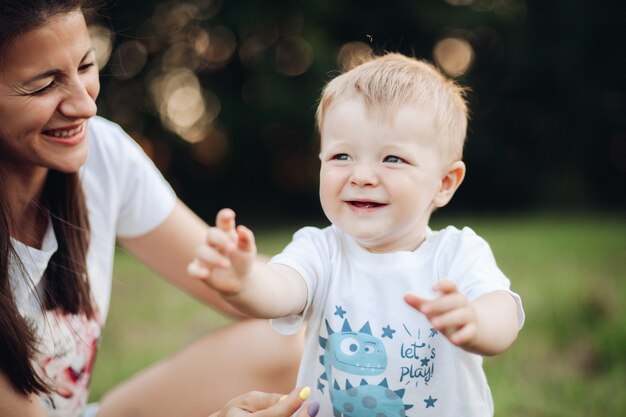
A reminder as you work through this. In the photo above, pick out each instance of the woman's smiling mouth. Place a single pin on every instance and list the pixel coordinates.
(69, 136)
(63, 133)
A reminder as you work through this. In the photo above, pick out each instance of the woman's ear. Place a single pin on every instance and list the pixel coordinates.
(452, 179)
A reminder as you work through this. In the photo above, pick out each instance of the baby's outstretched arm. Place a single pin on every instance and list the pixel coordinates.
(226, 264)
(487, 326)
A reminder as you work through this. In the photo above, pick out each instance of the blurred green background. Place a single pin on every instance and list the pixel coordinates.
(221, 94)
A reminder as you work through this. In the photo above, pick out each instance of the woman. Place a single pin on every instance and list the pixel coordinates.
(70, 185)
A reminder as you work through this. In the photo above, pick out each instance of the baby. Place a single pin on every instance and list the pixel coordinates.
(398, 315)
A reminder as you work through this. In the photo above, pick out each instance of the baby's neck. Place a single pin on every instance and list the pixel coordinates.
(399, 245)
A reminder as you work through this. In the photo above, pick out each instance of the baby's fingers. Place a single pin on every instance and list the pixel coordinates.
(225, 220)
(452, 320)
(196, 269)
(415, 301)
(444, 304)
(465, 335)
(245, 239)
(210, 257)
(458, 325)
(221, 241)
(445, 286)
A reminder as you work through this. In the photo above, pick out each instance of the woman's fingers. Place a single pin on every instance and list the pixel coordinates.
(271, 405)
(310, 410)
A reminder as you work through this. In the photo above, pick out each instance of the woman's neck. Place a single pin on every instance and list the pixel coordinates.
(29, 221)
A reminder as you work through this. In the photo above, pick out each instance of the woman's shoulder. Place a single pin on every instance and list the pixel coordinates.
(107, 136)
(110, 146)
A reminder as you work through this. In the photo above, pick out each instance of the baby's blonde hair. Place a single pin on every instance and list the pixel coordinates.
(391, 81)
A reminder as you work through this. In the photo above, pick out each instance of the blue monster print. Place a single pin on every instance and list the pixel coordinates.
(359, 353)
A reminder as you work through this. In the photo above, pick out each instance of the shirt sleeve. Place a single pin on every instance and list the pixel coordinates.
(467, 259)
(147, 199)
(144, 198)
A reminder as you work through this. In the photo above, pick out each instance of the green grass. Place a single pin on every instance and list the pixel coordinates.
(569, 359)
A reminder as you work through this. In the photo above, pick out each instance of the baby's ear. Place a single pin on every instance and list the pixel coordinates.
(452, 179)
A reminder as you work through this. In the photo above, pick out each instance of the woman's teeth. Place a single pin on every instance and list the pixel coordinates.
(63, 133)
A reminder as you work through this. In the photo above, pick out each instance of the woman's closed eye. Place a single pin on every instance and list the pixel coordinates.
(44, 89)
(87, 66)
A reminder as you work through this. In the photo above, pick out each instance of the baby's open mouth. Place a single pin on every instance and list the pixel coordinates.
(366, 204)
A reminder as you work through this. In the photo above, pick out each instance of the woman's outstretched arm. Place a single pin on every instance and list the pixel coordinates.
(203, 377)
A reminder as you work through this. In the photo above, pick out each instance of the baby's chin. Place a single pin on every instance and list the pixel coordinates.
(375, 244)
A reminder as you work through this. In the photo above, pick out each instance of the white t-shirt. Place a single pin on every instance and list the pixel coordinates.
(369, 354)
(126, 196)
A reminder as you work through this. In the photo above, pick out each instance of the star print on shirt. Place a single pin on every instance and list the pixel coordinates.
(433, 332)
(339, 311)
(388, 332)
(430, 401)
(425, 361)
(320, 386)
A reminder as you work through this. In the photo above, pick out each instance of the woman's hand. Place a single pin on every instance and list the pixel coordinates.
(260, 404)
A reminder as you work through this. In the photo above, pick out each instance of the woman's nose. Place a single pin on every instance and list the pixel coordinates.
(79, 101)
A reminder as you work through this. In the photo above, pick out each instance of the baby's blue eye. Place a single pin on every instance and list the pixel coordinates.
(392, 159)
(341, 157)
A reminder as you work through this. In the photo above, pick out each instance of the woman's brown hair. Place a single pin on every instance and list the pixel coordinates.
(65, 282)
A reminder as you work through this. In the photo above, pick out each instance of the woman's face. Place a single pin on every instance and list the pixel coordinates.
(48, 87)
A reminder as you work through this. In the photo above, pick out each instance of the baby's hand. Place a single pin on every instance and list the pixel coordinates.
(451, 313)
(226, 258)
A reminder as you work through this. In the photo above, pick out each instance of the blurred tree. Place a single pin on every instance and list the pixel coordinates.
(222, 94)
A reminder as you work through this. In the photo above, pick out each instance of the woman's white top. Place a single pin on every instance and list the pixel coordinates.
(126, 197)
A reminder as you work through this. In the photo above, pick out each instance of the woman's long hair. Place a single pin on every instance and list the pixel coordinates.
(65, 283)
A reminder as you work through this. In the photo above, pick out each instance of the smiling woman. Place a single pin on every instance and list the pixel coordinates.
(72, 184)
(49, 94)
(43, 126)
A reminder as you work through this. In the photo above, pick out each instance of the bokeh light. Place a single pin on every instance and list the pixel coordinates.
(102, 41)
(183, 106)
(221, 47)
(293, 56)
(207, 9)
(460, 2)
(180, 55)
(352, 54)
(170, 18)
(128, 59)
(213, 149)
(453, 55)
(502, 7)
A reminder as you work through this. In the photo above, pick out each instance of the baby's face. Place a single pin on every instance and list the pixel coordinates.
(378, 178)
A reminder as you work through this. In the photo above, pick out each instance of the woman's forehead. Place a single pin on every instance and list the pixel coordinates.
(63, 36)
